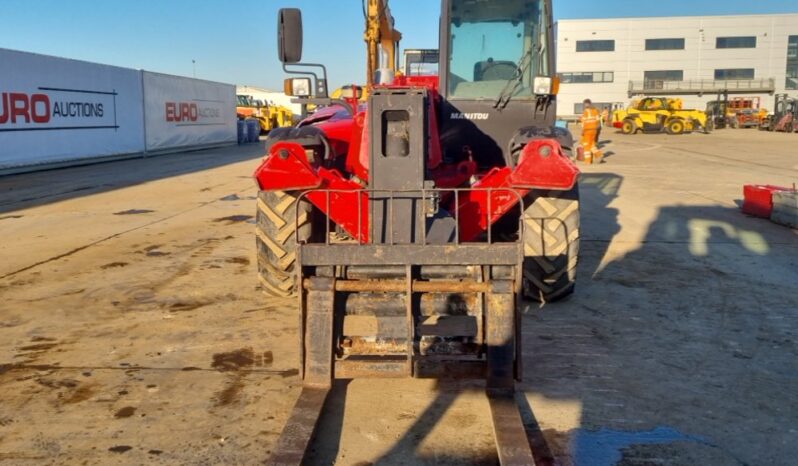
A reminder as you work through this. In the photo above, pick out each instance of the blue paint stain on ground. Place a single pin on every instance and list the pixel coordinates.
(603, 447)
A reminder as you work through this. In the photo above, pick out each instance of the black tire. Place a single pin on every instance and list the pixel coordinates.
(281, 220)
(551, 244)
(675, 127)
(628, 126)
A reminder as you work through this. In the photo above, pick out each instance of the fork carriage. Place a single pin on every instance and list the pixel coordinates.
(397, 308)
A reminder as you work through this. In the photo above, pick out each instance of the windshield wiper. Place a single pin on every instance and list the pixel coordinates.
(512, 84)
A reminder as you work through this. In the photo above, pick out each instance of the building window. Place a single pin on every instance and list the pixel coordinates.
(748, 42)
(588, 77)
(792, 63)
(664, 75)
(734, 73)
(595, 46)
(610, 106)
(664, 44)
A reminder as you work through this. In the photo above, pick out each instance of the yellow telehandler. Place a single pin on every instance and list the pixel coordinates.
(658, 114)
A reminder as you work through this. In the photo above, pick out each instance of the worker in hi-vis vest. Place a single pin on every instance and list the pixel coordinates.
(591, 123)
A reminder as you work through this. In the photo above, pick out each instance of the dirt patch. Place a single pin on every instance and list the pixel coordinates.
(183, 306)
(82, 393)
(8, 217)
(237, 260)
(120, 448)
(239, 364)
(234, 360)
(231, 391)
(42, 339)
(127, 411)
(134, 212)
(56, 384)
(114, 265)
(232, 197)
(157, 253)
(38, 347)
(241, 359)
(155, 452)
(229, 220)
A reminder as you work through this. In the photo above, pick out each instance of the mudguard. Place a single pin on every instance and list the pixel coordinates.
(526, 134)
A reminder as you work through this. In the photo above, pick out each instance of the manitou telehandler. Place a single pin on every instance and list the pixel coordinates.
(409, 227)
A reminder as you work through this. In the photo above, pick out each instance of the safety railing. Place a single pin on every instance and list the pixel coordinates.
(702, 86)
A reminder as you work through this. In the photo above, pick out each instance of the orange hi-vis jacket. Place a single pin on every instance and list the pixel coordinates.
(591, 118)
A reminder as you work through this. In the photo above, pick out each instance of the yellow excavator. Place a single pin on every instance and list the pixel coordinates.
(380, 36)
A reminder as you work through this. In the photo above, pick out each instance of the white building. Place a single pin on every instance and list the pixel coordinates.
(612, 60)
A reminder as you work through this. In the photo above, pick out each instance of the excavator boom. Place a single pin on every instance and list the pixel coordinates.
(380, 32)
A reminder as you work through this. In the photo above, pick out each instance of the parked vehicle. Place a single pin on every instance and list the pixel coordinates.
(660, 114)
(410, 227)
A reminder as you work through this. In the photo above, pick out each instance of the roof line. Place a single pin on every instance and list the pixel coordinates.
(626, 18)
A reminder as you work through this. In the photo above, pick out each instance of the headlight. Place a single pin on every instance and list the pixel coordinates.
(297, 87)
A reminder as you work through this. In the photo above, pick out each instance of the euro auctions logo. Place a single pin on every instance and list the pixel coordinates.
(181, 111)
(19, 107)
(193, 113)
(57, 109)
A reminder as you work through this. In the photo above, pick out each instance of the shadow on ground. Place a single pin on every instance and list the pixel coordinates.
(28, 190)
(680, 351)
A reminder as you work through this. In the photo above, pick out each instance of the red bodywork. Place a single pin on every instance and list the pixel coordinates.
(343, 196)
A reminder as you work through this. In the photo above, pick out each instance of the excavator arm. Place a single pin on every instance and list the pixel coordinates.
(380, 32)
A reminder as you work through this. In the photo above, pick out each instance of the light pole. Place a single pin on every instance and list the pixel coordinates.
(194, 67)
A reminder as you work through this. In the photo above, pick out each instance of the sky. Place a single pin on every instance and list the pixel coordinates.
(235, 42)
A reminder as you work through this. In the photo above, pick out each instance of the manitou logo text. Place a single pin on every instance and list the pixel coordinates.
(188, 112)
(469, 116)
(18, 108)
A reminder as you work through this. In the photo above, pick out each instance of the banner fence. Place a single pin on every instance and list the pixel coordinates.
(56, 111)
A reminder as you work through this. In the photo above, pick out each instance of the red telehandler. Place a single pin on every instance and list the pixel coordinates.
(410, 227)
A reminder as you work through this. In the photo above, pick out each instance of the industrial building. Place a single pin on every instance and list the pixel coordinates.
(693, 57)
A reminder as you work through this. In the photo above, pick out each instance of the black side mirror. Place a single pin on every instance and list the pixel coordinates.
(289, 35)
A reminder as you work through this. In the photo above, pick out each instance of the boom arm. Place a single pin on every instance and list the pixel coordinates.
(379, 32)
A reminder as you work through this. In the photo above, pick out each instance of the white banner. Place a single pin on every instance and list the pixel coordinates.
(54, 109)
(184, 112)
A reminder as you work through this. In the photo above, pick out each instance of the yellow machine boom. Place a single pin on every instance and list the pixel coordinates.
(380, 32)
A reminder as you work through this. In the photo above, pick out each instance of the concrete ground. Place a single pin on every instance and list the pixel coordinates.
(132, 330)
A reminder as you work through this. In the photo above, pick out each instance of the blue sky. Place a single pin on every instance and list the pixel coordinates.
(235, 41)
